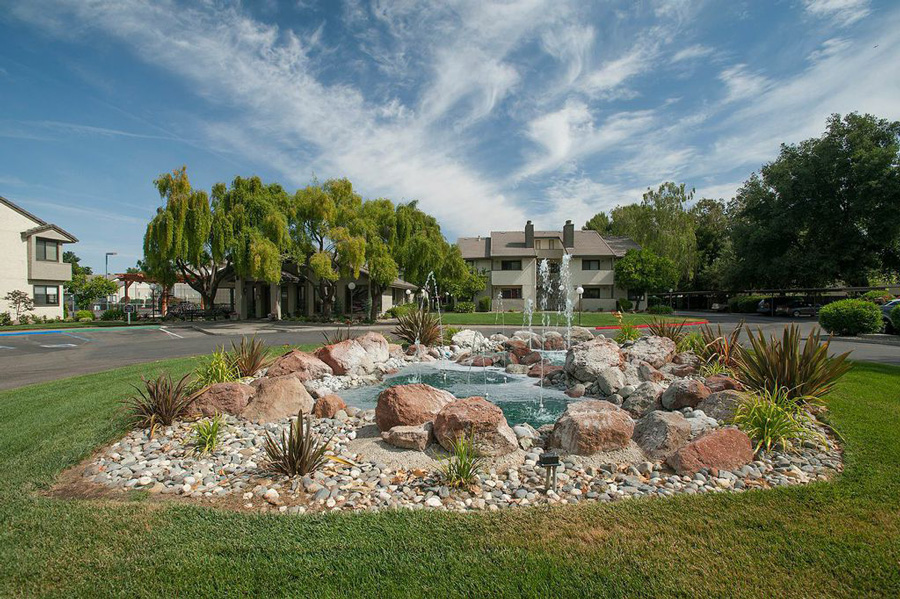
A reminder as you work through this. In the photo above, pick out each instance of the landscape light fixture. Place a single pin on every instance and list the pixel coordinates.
(549, 460)
(580, 292)
(351, 286)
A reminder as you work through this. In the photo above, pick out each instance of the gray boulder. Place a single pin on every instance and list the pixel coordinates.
(654, 350)
(409, 437)
(610, 380)
(585, 361)
(722, 405)
(660, 434)
(684, 393)
(643, 399)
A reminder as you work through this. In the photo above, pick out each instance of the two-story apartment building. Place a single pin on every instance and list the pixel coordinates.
(31, 251)
(513, 260)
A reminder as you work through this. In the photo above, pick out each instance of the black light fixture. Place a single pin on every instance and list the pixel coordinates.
(549, 460)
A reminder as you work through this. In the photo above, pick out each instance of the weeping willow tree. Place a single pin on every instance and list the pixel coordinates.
(203, 239)
(380, 229)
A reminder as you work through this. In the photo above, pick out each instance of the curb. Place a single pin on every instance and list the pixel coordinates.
(644, 326)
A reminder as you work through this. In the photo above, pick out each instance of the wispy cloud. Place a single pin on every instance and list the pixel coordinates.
(741, 83)
(841, 12)
(692, 53)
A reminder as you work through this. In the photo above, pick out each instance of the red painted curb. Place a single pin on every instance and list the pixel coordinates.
(644, 326)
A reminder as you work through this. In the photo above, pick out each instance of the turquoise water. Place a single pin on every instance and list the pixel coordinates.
(518, 396)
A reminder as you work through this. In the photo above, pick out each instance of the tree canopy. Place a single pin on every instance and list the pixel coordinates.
(642, 271)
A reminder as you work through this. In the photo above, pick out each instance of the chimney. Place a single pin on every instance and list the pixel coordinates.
(529, 235)
(569, 235)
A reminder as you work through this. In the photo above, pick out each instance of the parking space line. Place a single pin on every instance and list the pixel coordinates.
(6, 347)
(168, 332)
(59, 345)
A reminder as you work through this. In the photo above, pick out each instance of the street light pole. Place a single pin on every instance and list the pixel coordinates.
(580, 292)
(108, 254)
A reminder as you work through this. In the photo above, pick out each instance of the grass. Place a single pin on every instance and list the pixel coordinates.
(94, 324)
(588, 319)
(839, 539)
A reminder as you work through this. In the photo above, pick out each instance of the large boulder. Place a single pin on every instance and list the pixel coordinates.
(409, 405)
(469, 339)
(653, 350)
(530, 358)
(376, 347)
(644, 399)
(327, 406)
(301, 365)
(530, 338)
(222, 398)
(580, 334)
(591, 426)
(724, 448)
(684, 393)
(276, 398)
(516, 368)
(346, 357)
(660, 434)
(477, 416)
(646, 372)
(722, 382)
(554, 341)
(721, 405)
(585, 361)
(409, 437)
(610, 380)
(543, 369)
(481, 361)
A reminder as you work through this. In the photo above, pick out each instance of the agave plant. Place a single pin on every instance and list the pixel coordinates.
(161, 401)
(462, 466)
(718, 346)
(418, 326)
(299, 451)
(671, 330)
(774, 419)
(804, 373)
(249, 357)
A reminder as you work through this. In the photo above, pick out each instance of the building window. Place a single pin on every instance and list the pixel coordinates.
(598, 292)
(47, 250)
(510, 265)
(511, 293)
(590, 265)
(46, 295)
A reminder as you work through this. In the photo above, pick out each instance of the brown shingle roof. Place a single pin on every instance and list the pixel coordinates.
(620, 244)
(474, 248)
(512, 243)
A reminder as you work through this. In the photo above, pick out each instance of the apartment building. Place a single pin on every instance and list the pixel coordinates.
(32, 261)
(513, 260)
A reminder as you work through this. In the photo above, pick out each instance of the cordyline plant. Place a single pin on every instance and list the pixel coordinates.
(249, 357)
(161, 401)
(418, 326)
(805, 373)
(720, 347)
(299, 451)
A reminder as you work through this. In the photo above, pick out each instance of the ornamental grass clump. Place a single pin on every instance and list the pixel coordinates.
(161, 401)
(218, 368)
(461, 467)
(419, 326)
(774, 420)
(299, 451)
(249, 357)
(803, 371)
(670, 330)
(207, 434)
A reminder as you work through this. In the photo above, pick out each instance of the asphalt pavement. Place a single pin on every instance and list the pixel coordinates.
(36, 356)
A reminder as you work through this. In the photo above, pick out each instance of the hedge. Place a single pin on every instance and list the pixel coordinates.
(660, 309)
(464, 307)
(484, 304)
(850, 317)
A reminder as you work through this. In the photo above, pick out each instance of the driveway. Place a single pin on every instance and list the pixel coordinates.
(31, 357)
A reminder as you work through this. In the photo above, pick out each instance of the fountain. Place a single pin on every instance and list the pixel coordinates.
(566, 292)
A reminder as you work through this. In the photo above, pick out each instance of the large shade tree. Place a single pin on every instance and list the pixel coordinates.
(642, 271)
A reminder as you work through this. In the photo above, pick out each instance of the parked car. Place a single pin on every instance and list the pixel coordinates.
(765, 305)
(886, 314)
(797, 308)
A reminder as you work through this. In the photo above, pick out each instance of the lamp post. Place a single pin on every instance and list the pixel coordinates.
(580, 292)
(408, 294)
(108, 254)
(351, 286)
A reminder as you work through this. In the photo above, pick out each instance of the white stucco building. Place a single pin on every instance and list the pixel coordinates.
(31, 251)
(512, 260)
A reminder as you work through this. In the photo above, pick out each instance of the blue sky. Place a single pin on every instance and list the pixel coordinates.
(488, 113)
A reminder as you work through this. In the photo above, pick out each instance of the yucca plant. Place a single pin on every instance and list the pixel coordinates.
(773, 419)
(337, 335)
(299, 451)
(718, 346)
(804, 373)
(670, 330)
(461, 467)
(207, 434)
(249, 357)
(218, 368)
(418, 326)
(161, 401)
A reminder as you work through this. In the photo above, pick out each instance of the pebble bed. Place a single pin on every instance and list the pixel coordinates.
(167, 464)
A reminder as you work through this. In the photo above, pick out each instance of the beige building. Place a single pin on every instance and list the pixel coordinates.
(513, 261)
(31, 251)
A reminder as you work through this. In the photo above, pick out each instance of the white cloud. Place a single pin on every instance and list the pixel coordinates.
(829, 47)
(692, 52)
(741, 83)
(571, 45)
(841, 12)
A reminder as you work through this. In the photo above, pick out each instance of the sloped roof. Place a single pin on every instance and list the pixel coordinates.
(474, 248)
(42, 225)
(620, 244)
(512, 243)
(49, 227)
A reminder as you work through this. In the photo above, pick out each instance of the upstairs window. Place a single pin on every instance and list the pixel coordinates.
(46, 295)
(510, 265)
(590, 265)
(511, 293)
(598, 292)
(47, 250)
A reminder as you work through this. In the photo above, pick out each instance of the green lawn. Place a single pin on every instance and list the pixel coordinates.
(838, 539)
(588, 319)
(94, 324)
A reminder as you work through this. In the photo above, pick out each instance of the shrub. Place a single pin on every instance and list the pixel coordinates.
(400, 310)
(876, 296)
(113, 314)
(484, 304)
(671, 330)
(207, 434)
(771, 365)
(895, 317)
(773, 419)
(418, 327)
(218, 368)
(624, 304)
(84, 315)
(448, 334)
(161, 401)
(464, 307)
(627, 332)
(660, 309)
(692, 342)
(5, 319)
(299, 452)
(249, 357)
(717, 346)
(745, 303)
(462, 466)
(850, 317)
